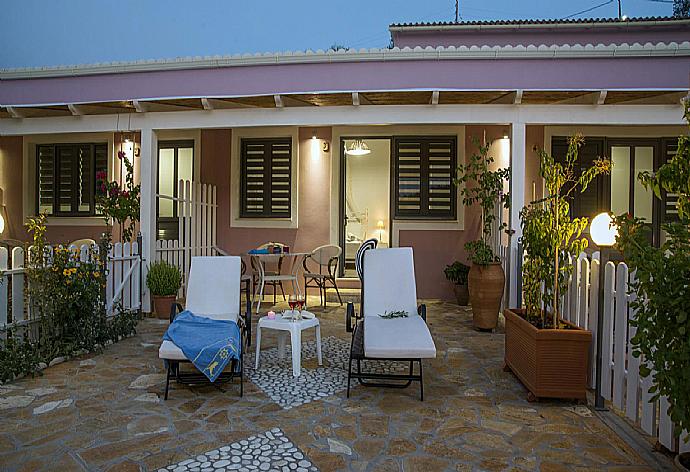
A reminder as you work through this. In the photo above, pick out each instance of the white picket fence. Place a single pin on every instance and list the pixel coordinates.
(197, 212)
(123, 282)
(622, 384)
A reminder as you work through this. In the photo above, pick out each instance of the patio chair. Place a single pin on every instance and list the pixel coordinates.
(271, 275)
(213, 291)
(388, 284)
(326, 258)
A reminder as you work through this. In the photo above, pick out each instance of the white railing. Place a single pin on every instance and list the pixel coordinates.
(196, 209)
(123, 281)
(622, 384)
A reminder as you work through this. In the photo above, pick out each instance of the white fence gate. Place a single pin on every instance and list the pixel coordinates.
(196, 209)
(622, 384)
(123, 282)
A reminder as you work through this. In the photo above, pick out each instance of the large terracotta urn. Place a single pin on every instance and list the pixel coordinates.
(486, 283)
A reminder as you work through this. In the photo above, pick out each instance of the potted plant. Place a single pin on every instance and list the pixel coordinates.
(486, 277)
(662, 323)
(164, 281)
(549, 355)
(457, 274)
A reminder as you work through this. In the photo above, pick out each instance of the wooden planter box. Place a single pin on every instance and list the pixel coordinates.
(551, 363)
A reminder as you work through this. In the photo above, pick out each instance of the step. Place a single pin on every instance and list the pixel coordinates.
(347, 294)
(348, 282)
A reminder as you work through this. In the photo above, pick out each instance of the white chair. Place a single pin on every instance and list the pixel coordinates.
(213, 291)
(388, 285)
(267, 270)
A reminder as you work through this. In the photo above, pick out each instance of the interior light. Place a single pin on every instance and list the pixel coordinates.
(603, 230)
(358, 148)
(2, 222)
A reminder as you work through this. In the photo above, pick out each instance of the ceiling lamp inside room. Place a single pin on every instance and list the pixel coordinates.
(358, 148)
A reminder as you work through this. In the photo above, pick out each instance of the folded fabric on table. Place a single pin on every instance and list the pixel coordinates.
(258, 251)
(208, 344)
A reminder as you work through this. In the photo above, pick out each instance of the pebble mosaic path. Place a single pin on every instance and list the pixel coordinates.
(271, 451)
(105, 412)
(275, 378)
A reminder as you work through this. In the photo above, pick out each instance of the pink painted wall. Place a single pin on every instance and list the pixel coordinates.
(313, 198)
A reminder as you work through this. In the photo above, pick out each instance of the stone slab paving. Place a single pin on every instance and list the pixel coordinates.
(105, 412)
(269, 451)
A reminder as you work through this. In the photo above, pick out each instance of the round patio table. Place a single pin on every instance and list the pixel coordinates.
(261, 259)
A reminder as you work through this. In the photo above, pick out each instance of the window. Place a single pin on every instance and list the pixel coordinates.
(175, 163)
(669, 207)
(66, 177)
(265, 178)
(424, 168)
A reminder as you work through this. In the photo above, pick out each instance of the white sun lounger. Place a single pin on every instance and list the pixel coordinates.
(388, 285)
(213, 291)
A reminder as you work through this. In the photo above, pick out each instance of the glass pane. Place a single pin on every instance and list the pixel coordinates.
(185, 162)
(367, 196)
(620, 180)
(166, 181)
(644, 161)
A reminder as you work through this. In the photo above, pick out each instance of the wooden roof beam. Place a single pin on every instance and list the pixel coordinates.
(600, 97)
(517, 99)
(207, 104)
(75, 110)
(140, 107)
(15, 112)
(435, 97)
(279, 101)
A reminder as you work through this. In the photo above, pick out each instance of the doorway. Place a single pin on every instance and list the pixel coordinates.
(175, 163)
(364, 196)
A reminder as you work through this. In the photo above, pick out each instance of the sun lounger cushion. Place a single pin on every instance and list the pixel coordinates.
(398, 338)
(170, 351)
(214, 287)
(389, 281)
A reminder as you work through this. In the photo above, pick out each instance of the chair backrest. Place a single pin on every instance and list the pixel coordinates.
(82, 242)
(213, 289)
(366, 245)
(322, 255)
(389, 281)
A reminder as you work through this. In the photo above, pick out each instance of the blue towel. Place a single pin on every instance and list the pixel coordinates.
(208, 344)
(258, 251)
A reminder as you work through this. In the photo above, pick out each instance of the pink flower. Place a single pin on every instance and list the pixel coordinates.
(101, 175)
(120, 155)
(103, 187)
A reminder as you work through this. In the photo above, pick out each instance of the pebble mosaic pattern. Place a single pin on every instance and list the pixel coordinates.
(275, 377)
(270, 451)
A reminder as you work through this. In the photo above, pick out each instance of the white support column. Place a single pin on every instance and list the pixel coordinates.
(149, 177)
(517, 201)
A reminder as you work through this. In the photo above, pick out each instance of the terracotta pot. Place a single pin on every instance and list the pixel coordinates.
(682, 461)
(462, 294)
(486, 285)
(552, 363)
(162, 305)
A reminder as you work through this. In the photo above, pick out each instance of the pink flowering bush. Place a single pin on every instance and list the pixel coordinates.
(119, 203)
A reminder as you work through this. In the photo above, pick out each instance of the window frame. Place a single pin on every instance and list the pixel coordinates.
(424, 212)
(56, 213)
(175, 145)
(268, 183)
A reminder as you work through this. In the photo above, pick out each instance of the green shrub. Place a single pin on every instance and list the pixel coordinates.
(457, 273)
(163, 279)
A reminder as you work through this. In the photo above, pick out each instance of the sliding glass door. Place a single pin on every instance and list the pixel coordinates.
(175, 163)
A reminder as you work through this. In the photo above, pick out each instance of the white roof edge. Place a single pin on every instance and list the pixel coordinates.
(546, 24)
(530, 51)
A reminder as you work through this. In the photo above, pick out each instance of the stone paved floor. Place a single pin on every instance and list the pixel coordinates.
(105, 412)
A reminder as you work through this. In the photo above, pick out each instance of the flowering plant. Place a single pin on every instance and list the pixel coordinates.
(119, 203)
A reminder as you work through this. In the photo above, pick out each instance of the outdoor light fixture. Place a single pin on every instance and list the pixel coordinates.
(358, 148)
(2, 221)
(603, 232)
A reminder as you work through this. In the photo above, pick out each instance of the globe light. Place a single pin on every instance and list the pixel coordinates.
(2, 222)
(603, 230)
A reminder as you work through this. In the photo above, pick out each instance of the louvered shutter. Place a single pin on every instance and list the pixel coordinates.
(66, 177)
(424, 169)
(669, 200)
(46, 178)
(266, 178)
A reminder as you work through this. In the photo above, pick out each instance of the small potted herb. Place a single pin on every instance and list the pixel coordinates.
(164, 281)
(457, 274)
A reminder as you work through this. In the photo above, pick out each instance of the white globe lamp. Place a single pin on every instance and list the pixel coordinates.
(603, 230)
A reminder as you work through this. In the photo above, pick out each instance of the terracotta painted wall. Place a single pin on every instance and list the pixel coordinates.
(11, 186)
(313, 198)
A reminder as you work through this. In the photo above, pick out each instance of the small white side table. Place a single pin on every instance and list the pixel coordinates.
(295, 328)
